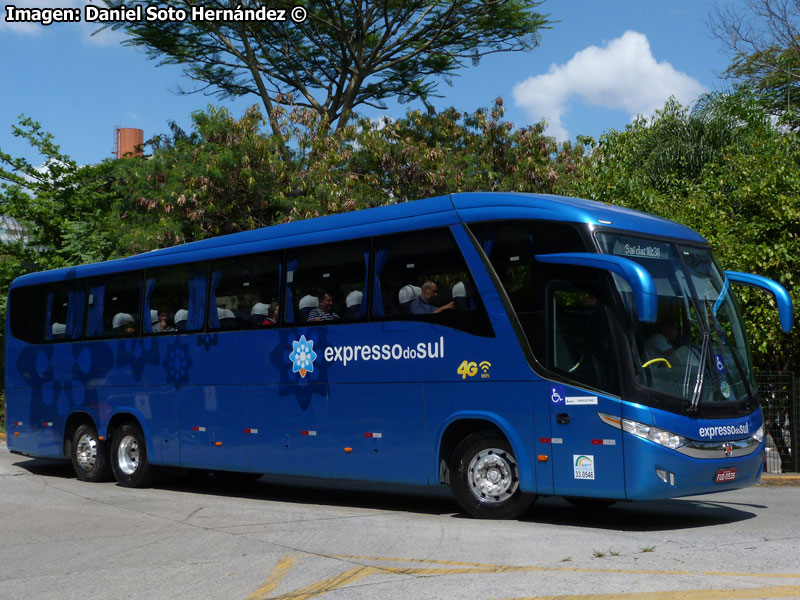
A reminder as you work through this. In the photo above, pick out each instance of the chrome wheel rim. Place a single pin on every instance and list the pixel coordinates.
(128, 456)
(86, 452)
(493, 475)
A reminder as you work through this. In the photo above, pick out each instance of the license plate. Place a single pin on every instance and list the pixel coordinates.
(725, 475)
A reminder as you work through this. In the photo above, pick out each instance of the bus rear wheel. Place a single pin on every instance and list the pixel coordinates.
(486, 478)
(129, 457)
(89, 455)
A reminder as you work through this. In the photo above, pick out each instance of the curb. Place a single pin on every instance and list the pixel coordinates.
(780, 479)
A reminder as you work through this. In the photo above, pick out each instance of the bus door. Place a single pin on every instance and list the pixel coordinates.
(586, 453)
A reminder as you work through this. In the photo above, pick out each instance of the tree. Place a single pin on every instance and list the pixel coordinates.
(227, 175)
(763, 39)
(344, 54)
(69, 212)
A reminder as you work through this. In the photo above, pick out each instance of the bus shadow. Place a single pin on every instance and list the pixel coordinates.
(47, 467)
(297, 490)
(652, 515)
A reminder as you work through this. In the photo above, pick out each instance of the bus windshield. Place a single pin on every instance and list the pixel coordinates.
(697, 349)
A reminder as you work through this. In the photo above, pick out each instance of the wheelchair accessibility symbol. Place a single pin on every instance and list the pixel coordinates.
(556, 394)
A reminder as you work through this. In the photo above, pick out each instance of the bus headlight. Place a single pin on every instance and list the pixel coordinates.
(654, 434)
(759, 435)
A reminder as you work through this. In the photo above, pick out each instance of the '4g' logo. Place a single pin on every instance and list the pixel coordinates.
(467, 369)
(470, 369)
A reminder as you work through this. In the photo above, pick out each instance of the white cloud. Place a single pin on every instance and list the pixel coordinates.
(624, 75)
(85, 30)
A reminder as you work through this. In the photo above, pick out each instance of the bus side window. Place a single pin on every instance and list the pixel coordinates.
(175, 299)
(114, 305)
(64, 310)
(242, 291)
(27, 313)
(422, 276)
(327, 284)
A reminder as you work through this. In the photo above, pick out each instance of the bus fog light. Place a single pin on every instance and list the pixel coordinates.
(666, 476)
(759, 435)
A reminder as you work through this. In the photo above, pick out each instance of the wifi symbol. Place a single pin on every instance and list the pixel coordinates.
(484, 365)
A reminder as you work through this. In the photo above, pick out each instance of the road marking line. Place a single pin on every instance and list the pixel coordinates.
(328, 585)
(274, 579)
(489, 568)
(336, 582)
(737, 594)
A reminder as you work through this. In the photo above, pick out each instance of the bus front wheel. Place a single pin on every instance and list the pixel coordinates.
(89, 455)
(129, 457)
(486, 481)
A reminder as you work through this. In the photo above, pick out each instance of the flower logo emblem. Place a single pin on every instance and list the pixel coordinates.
(303, 356)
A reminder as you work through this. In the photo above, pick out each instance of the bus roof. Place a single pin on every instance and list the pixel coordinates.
(420, 214)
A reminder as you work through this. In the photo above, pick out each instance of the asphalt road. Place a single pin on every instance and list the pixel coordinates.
(194, 537)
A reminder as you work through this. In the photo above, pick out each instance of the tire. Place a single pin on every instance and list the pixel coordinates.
(486, 478)
(129, 457)
(89, 455)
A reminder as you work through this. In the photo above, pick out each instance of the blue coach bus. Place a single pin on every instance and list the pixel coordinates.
(506, 345)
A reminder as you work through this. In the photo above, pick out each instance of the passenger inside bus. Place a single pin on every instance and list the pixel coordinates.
(271, 317)
(664, 341)
(123, 324)
(324, 312)
(424, 304)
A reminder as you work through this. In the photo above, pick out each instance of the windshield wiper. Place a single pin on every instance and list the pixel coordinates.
(698, 386)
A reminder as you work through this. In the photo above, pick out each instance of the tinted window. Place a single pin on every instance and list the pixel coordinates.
(422, 275)
(27, 313)
(327, 283)
(244, 290)
(115, 305)
(64, 311)
(175, 299)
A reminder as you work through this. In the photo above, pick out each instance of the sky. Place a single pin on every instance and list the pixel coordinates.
(597, 67)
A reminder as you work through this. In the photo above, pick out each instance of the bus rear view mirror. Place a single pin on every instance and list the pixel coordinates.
(645, 297)
(782, 298)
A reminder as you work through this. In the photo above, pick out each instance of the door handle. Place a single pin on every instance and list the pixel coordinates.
(562, 418)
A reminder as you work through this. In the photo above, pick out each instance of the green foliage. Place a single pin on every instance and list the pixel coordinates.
(228, 175)
(65, 208)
